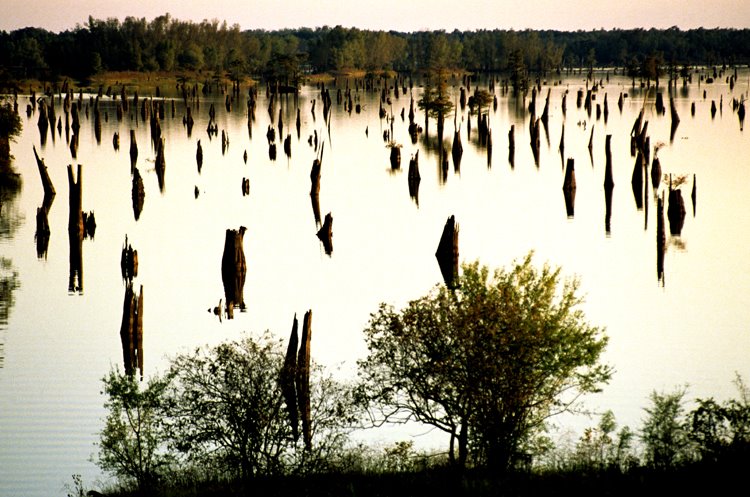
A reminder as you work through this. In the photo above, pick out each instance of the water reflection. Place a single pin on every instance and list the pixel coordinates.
(10, 221)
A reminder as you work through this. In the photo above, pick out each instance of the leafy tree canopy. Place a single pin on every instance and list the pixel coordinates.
(487, 363)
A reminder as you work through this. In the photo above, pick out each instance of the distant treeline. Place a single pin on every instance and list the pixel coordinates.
(167, 44)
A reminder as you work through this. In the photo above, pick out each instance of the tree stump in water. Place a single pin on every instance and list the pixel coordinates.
(49, 189)
(447, 253)
(303, 379)
(325, 234)
(395, 156)
(138, 193)
(128, 262)
(661, 240)
(131, 331)
(160, 164)
(233, 270)
(133, 150)
(676, 211)
(637, 180)
(655, 173)
(199, 156)
(287, 380)
(569, 188)
(414, 177)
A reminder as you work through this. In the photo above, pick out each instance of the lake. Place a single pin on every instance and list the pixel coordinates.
(687, 326)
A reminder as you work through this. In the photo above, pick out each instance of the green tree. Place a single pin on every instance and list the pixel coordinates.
(132, 444)
(435, 101)
(487, 363)
(664, 432)
(602, 448)
(722, 431)
(226, 412)
(10, 127)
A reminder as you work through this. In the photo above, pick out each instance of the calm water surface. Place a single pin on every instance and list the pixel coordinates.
(688, 328)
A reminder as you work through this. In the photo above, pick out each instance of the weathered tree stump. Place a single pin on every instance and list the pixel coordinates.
(131, 331)
(676, 211)
(395, 156)
(569, 188)
(133, 150)
(128, 262)
(160, 164)
(303, 380)
(447, 253)
(511, 145)
(325, 234)
(49, 189)
(694, 193)
(414, 177)
(315, 200)
(637, 180)
(655, 173)
(287, 380)
(233, 270)
(138, 193)
(661, 240)
(199, 156)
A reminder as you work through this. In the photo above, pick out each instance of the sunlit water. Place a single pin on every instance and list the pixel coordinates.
(690, 328)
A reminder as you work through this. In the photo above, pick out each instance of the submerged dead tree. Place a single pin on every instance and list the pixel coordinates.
(325, 234)
(42, 234)
(414, 177)
(609, 183)
(160, 164)
(303, 380)
(131, 331)
(128, 261)
(675, 211)
(287, 380)
(138, 193)
(133, 150)
(233, 270)
(75, 230)
(315, 185)
(569, 188)
(447, 253)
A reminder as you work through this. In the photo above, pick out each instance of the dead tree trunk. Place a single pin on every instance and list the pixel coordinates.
(303, 380)
(131, 331)
(138, 193)
(569, 188)
(233, 270)
(447, 253)
(325, 234)
(287, 380)
(133, 150)
(49, 189)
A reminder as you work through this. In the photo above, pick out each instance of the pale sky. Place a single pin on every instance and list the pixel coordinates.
(399, 15)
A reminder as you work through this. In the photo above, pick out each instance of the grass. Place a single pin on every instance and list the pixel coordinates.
(441, 482)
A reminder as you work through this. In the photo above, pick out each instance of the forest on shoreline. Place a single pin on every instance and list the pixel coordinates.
(168, 44)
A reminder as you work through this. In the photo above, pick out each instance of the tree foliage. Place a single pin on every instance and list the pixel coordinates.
(131, 444)
(169, 44)
(488, 363)
(664, 432)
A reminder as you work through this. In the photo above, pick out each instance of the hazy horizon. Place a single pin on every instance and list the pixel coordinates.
(418, 15)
